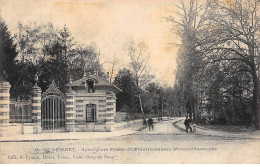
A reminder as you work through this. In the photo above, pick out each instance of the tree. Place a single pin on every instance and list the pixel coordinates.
(127, 98)
(154, 93)
(48, 36)
(53, 70)
(8, 67)
(19, 74)
(218, 57)
(170, 105)
(7, 53)
(112, 71)
(234, 35)
(47, 51)
(86, 58)
(23, 80)
(139, 58)
(27, 40)
(189, 27)
(66, 40)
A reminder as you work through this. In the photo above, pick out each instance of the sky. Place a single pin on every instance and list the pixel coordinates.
(108, 23)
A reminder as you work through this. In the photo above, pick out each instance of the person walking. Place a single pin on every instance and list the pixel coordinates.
(150, 123)
(187, 124)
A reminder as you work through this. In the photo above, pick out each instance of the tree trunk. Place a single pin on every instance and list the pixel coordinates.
(162, 110)
(158, 113)
(241, 101)
(198, 107)
(232, 104)
(193, 111)
(142, 111)
(255, 110)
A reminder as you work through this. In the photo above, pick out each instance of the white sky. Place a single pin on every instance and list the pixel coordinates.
(110, 24)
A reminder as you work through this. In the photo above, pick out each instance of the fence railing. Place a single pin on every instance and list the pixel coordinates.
(20, 111)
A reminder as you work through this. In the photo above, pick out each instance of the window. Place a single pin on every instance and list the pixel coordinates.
(79, 110)
(79, 106)
(79, 101)
(90, 86)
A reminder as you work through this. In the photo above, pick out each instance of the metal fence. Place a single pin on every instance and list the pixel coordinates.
(20, 111)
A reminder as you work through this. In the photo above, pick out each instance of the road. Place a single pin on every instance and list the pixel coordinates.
(166, 144)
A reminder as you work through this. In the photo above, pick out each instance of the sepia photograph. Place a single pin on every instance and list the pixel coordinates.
(129, 81)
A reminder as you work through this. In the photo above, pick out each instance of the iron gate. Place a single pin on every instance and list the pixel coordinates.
(53, 108)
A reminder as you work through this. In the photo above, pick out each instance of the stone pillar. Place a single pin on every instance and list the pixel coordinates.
(70, 111)
(110, 113)
(4, 107)
(36, 108)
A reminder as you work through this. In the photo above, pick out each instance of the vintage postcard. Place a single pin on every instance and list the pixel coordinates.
(129, 82)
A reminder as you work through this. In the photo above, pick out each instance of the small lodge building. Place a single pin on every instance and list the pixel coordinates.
(91, 104)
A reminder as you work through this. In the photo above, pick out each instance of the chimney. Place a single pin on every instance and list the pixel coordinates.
(107, 76)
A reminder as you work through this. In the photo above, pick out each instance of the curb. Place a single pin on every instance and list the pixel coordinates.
(7, 141)
(62, 139)
(227, 137)
(142, 128)
(41, 140)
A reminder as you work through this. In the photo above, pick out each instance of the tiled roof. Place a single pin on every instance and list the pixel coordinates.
(100, 82)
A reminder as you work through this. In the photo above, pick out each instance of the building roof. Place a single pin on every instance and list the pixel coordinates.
(98, 82)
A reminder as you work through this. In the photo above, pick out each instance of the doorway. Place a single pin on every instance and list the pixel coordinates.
(90, 113)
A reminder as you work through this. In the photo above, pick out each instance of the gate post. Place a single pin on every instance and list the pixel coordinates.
(70, 111)
(4, 107)
(36, 108)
